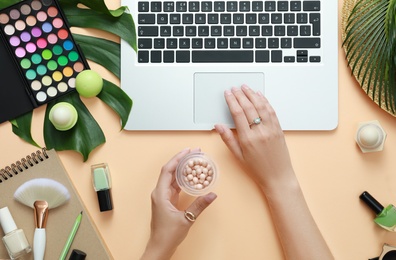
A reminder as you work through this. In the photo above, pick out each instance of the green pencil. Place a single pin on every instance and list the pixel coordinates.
(71, 237)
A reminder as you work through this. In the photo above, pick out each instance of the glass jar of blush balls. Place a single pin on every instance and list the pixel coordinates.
(196, 174)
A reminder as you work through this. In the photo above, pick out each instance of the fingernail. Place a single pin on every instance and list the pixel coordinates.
(227, 92)
(210, 197)
(219, 129)
(260, 94)
(245, 87)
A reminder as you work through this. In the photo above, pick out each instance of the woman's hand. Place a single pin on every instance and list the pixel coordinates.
(169, 225)
(260, 147)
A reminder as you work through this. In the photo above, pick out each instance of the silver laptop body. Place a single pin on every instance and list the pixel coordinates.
(189, 52)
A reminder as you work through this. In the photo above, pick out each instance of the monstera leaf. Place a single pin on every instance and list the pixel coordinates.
(369, 42)
(87, 134)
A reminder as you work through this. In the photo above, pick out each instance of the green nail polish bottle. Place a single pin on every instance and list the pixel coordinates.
(385, 217)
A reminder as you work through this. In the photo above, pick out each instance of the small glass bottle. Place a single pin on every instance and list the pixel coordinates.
(14, 240)
(101, 180)
(385, 216)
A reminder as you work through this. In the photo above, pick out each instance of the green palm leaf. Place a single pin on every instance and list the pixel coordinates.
(369, 42)
(87, 134)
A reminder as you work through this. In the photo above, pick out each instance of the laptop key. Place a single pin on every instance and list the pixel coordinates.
(235, 43)
(295, 6)
(276, 56)
(257, 6)
(314, 19)
(148, 30)
(175, 19)
(283, 6)
(311, 5)
(169, 6)
(145, 44)
(171, 43)
(219, 6)
(159, 43)
(270, 6)
(206, 6)
(232, 6)
(165, 31)
(244, 6)
(169, 56)
(261, 43)
(156, 7)
(143, 56)
(181, 6)
(306, 43)
(146, 19)
(156, 56)
(225, 18)
(193, 6)
(262, 56)
(183, 56)
(144, 6)
(222, 56)
(289, 59)
(314, 59)
(210, 43)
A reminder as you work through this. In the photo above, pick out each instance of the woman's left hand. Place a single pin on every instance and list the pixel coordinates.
(169, 225)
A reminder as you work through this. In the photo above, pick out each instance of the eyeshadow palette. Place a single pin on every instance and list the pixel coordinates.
(40, 43)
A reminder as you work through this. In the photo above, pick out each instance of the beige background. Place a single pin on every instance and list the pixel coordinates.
(330, 167)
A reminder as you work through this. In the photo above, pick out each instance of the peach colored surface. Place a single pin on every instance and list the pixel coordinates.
(330, 167)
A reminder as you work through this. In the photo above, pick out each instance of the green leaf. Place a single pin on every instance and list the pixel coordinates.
(84, 137)
(6, 3)
(117, 99)
(101, 51)
(21, 127)
(123, 25)
(97, 5)
(370, 49)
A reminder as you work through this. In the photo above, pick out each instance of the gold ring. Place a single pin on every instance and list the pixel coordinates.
(255, 121)
(189, 216)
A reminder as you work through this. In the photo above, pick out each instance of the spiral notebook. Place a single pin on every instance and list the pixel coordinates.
(46, 164)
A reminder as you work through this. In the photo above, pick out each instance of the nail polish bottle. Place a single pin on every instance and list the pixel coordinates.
(385, 217)
(14, 240)
(102, 184)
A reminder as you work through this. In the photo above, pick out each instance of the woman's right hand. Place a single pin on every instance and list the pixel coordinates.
(260, 147)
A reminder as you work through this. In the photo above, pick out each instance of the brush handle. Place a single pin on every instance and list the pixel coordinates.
(39, 242)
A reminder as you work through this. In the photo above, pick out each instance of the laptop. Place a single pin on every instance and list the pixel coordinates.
(190, 52)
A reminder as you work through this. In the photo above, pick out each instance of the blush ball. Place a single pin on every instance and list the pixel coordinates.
(89, 83)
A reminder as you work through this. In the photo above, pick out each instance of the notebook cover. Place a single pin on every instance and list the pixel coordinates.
(60, 220)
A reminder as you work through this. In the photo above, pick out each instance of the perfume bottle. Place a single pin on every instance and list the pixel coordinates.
(385, 217)
(14, 240)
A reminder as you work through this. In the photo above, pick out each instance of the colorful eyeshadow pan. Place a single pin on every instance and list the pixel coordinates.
(44, 49)
(31, 20)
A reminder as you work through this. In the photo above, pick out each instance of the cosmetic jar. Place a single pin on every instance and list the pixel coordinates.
(370, 136)
(196, 174)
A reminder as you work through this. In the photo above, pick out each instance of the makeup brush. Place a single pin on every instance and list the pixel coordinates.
(41, 194)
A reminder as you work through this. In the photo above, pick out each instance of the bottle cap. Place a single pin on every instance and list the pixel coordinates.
(371, 202)
(7, 222)
(104, 198)
(77, 255)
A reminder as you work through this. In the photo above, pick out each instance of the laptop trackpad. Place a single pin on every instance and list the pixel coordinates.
(210, 106)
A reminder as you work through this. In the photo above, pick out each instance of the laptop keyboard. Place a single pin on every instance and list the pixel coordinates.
(229, 32)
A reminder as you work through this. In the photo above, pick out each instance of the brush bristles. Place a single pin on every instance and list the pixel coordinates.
(42, 189)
